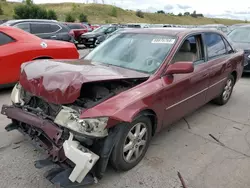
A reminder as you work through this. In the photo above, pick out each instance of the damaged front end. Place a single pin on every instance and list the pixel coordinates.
(81, 147)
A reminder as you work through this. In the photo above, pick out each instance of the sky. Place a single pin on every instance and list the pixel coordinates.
(210, 8)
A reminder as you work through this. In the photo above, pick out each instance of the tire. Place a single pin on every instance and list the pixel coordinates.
(120, 159)
(226, 92)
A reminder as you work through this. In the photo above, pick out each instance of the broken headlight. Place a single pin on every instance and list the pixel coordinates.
(16, 94)
(69, 118)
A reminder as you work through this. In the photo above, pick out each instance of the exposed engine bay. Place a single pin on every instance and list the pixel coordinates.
(92, 94)
(84, 145)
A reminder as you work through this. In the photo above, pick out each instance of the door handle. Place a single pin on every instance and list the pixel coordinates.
(54, 36)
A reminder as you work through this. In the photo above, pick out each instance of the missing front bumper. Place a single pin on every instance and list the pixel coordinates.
(49, 136)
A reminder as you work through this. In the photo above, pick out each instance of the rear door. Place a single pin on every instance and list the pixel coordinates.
(219, 59)
(45, 30)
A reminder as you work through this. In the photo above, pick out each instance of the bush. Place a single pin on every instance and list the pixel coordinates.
(52, 15)
(1, 10)
(83, 18)
(180, 14)
(160, 12)
(31, 11)
(69, 18)
(113, 12)
(139, 13)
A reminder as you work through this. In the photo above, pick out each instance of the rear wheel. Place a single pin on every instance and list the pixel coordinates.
(226, 92)
(132, 145)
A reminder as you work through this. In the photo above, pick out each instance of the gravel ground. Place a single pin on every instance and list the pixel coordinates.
(203, 162)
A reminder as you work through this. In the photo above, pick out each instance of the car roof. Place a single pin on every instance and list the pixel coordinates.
(178, 32)
(11, 22)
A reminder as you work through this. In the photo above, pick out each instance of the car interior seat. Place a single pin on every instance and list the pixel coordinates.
(185, 53)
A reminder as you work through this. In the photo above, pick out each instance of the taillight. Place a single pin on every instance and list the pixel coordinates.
(72, 33)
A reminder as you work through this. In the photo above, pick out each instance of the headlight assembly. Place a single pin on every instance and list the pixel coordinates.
(69, 118)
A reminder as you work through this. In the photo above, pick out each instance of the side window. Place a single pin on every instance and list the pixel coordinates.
(55, 27)
(23, 26)
(215, 45)
(5, 39)
(37, 28)
(110, 30)
(192, 49)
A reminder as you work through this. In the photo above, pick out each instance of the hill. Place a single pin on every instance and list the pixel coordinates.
(99, 13)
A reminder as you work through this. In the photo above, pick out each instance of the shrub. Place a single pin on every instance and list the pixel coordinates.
(113, 12)
(139, 13)
(160, 12)
(69, 18)
(180, 14)
(29, 11)
(83, 18)
(1, 10)
(52, 15)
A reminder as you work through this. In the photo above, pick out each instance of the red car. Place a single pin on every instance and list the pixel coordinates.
(77, 29)
(107, 106)
(18, 46)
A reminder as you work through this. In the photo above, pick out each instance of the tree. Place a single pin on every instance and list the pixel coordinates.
(186, 14)
(160, 12)
(194, 14)
(180, 14)
(51, 15)
(83, 18)
(28, 2)
(139, 13)
(69, 18)
(1, 10)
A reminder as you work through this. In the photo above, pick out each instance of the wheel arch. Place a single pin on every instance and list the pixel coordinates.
(234, 74)
(43, 57)
(151, 115)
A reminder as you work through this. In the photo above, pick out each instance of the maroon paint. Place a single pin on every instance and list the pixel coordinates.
(169, 97)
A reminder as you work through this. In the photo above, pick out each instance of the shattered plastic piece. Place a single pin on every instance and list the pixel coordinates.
(83, 158)
(62, 179)
(43, 163)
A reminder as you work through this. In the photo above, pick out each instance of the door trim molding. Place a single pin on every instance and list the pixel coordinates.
(196, 94)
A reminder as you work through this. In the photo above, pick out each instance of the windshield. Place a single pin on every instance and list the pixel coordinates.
(240, 35)
(100, 29)
(140, 52)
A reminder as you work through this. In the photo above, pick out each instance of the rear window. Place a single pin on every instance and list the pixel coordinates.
(75, 26)
(5, 39)
(23, 26)
(39, 28)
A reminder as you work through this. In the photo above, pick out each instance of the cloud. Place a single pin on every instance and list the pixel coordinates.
(168, 7)
(183, 6)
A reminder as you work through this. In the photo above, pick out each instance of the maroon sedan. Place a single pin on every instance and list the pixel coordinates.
(108, 105)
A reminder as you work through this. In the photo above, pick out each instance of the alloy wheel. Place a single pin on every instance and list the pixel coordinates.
(227, 89)
(135, 142)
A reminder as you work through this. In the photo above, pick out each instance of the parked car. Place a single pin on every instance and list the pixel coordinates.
(45, 29)
(89, 39)
(219, 27)
(99, 40)
(18, 46)
(107, 106)
(78, 29)
(94, 26)
(240, 37)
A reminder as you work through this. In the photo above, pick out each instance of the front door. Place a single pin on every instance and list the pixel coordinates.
(186, 92)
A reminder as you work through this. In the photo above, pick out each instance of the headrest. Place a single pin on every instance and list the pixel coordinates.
(186, 47)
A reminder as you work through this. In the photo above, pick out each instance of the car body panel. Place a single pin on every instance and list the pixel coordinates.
(48, 77)
(27, 47)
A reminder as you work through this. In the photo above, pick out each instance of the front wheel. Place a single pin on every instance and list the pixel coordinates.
(226, 92)
(132, 145)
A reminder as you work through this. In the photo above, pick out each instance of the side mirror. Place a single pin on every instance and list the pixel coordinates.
(181, 67)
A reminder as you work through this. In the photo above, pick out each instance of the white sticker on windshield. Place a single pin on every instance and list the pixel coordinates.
(163, 41)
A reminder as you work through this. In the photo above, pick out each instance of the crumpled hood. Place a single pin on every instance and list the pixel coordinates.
(60, 82)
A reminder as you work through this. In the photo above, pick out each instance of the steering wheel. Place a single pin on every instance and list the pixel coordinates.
(152, 62)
